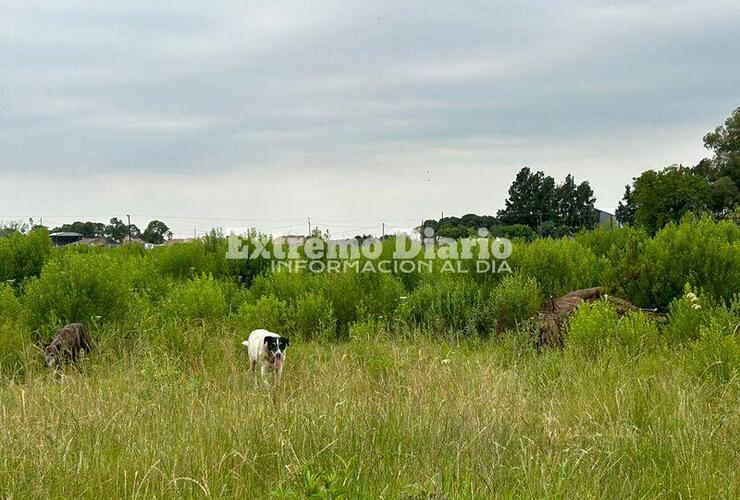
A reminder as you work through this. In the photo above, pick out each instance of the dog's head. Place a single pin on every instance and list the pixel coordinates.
(51, 356)
(276, 347)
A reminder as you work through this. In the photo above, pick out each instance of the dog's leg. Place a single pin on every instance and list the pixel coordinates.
(253, 369)
(265, 369)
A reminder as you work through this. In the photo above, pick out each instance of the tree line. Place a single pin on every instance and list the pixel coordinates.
(656, 198)
(156, 231)
(536, 205)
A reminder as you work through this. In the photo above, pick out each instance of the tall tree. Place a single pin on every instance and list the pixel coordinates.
(155, 232)
(658, 198)
(116, 230)
(627, 208)
(723, 170)
(531, 199)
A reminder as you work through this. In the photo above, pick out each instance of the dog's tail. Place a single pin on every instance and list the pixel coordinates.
(245, 343)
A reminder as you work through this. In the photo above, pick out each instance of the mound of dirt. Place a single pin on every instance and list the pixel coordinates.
(553, 318)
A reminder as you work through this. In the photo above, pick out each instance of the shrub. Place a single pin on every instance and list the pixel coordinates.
(181, 260)
(78, 287)
(10, 306)
(23, 255)
(345, 293)
(443, 301)
(382, 294)
(591, 328)
(700, 251)
(686, 316)
(201, 298)
(313, 317)
(268, 312)
(595, 327)
(515, 299)
(284, 285)
(15, 342)
(559, 266)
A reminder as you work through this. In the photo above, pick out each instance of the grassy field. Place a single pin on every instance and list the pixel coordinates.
(373, 418)
(424, 385)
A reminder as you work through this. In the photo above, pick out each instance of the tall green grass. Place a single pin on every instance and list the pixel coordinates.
(383, 418)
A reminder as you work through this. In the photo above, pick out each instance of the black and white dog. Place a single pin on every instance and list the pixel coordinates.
(268, 350)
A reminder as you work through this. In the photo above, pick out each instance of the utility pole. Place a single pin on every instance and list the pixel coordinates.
(195, 236)
(128, 217)
(383, 230)
(309, 226)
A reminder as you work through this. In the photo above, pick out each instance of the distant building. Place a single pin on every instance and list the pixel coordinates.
(607, 219)
(62, 238)
(97, 242)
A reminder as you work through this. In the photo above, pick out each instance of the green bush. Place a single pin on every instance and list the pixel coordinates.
(595, 327)
(15, 345)
(699, 251)
(10, 306)
(313, 317)
(514, 300)
(267, 312)
(23, 255)
(382, 293)
(201, 298)
(444, 301)
(182, 260)
(79, 287)
(686, 316)
(284, 285)
(559, 266)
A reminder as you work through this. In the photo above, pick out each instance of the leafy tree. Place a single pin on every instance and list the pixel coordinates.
(534, 200)
(627, 208)
(658, 198)
(722, 171)
(574, 205)
(116, 230)
(725, 142)
(531, 199)
(156, 232)
(13, 227)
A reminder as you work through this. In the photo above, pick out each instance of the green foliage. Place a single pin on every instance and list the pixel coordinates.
(514, 300)
(686, 317)
(267, 312)
(595, 327)
(534, 199)
(559, 266)
(183, 260)
(15, 347)
(79, 287)
(717, 352)
(658, 198)
(10, 306)
(201, 298)
(313, 317)
(446, 302)
(723, 170)
(514, 231)
(156, 232)
(699, 251)
(23, 255)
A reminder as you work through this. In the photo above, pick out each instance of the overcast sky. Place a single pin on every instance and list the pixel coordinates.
(236, 114)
